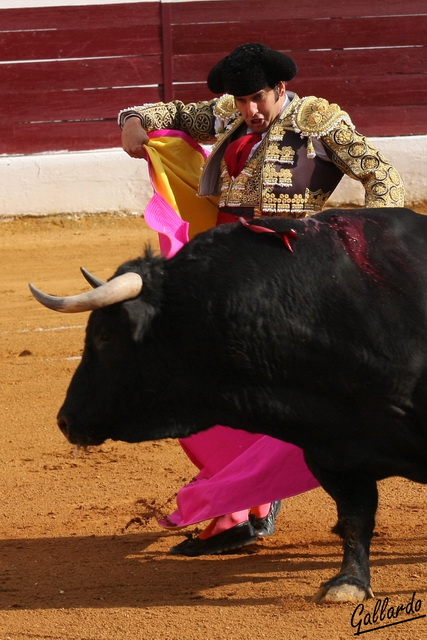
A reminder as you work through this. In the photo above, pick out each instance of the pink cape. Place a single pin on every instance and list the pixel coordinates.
(238, 470)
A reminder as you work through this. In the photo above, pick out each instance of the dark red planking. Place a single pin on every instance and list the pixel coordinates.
(249, 10)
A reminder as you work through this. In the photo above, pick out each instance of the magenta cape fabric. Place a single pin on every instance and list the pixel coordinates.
(238, 470)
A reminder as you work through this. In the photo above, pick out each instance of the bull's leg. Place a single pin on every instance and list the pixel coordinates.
(356, 498)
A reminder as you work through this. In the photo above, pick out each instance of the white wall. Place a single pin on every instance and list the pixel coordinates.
(110, 181)
(80, 182)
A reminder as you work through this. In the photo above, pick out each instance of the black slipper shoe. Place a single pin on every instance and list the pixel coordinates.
(265, 526)
(233, 538)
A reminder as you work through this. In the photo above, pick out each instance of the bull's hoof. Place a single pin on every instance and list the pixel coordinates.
(329, 594)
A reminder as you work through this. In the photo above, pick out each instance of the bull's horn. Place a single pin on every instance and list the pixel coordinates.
(120, 288)
(93, 280)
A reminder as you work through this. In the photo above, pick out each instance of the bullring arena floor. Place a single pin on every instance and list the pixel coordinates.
(81, 554)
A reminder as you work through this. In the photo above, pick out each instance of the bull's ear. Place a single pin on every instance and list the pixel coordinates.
(139, 315)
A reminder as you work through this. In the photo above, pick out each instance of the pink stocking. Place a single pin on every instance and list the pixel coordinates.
(261, 511)
(222, 523)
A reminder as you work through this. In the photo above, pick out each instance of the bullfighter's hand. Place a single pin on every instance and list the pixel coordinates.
(134, 137)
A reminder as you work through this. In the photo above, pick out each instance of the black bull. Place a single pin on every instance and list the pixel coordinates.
(315, 333)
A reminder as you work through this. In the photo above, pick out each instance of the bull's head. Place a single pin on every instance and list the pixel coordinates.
(108, 359)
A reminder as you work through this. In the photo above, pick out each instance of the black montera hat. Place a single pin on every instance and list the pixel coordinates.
(249, 68)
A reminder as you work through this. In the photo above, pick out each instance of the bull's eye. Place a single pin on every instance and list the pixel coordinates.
(103, 338)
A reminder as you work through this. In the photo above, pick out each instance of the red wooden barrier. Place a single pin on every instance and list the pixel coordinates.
(65, 72)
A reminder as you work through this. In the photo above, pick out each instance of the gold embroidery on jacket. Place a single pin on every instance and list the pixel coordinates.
(245, 189)
(196, 118)
(293, 206)
(276, 154)
(272, 176)
(311, 118)
(316, 117)
(358, 159)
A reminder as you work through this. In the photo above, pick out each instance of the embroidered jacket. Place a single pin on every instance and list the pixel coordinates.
(284, 176)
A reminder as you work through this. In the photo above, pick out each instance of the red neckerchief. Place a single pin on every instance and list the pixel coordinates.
(237, 152)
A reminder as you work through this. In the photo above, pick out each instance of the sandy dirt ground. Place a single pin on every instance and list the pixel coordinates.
(81, 554)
